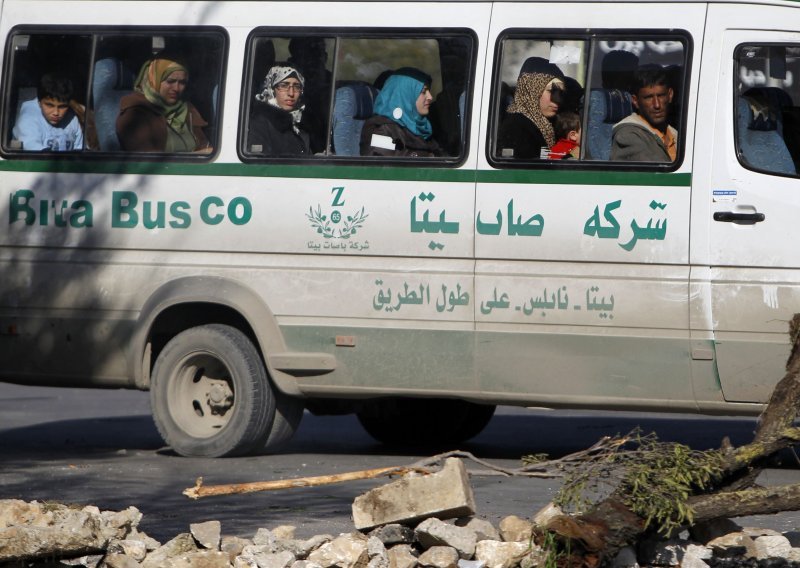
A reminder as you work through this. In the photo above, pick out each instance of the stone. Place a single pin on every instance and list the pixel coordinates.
(135, 549)
(706, 531)
(345, 551)
(701, 552)
(536, 558)
(625, 558)
(497, 554)
(794, 555)
(546, 514)
(439, 557)
(463, 563)
(375, 547)
(233, 545)
(180, 545)
(661, 552)
(692, 561)
(302, 548)
(772, 546)
(89, 561)
(199, 559)
(116, 560)
(244, 562)
(149, 542)
(515, 529)
(732, 545)
(305, 564)
(207, 534)
(393, 533)
(284, 532)
(37, 530)
(264, 537)
(484, 530)
(264, 559)
(435, 532)
(402, 556)
(444, 494)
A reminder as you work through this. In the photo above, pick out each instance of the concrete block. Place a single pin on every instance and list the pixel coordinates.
(445, 494)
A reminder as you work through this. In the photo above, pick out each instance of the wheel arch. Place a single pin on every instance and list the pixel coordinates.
(196, 300)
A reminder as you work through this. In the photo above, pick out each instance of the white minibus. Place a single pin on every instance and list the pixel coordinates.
(411, 211)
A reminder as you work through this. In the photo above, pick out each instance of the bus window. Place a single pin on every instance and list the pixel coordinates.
(767, 121)
(356, 97)
(136, 94)
(563, 98)
(47, 97)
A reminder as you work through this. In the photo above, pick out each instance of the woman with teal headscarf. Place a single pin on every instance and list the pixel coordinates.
(400, 125)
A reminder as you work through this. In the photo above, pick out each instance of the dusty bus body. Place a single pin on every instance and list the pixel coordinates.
(241, 287)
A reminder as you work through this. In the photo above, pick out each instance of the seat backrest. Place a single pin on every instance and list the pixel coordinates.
(352, 105)
(111, 81)
(759, 126)
(606, 108)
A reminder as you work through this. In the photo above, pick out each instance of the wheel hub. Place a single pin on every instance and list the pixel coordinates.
(219, 397)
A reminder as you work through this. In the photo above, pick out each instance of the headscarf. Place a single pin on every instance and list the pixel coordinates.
(151, 75)
(398, 101)
(275, 75)
(530, 87)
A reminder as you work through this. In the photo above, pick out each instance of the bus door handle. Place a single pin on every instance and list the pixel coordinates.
(739, 218)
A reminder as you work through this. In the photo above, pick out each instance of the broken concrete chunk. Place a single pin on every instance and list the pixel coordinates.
(444, 494)
(345, 551)
(199, 559)
(439, 557)
(484, 530)
(207, 534)
(182, 544)
(402, 556)
(515, 529)
(233, 545)
(546, 514)
(772, 546)
(435, 532)
(115, 560)
(497, 554)
(394, 534)
(135, 549)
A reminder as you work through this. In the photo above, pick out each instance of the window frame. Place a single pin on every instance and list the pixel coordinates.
(736, 94)
(94, 32)
(591, 36)
(336, 33)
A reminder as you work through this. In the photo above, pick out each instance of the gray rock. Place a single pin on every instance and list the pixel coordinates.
(662, 552)
(515, 529)
(207, 534)
(36, 530)
(732, 545)
(484, 530)
(439, 557)
(305, 564)
(116, 560)
(393, 533)
(302, 548)
(264, 537)
(345, 551)
(444, 494)
(496, 554)
(692, 561)
(546, 514)
(284, 532)
(264, 559)
(244, 562)
(772, 546)
(199, 559)
(89, 561)
(402, 556)
(149, 542)
(462, 563)
(434, 532)
(180, 545)
(233, 545)
(135, 549)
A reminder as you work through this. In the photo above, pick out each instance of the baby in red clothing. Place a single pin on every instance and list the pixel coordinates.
(567, 127)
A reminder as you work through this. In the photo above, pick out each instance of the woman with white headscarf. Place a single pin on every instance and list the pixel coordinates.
(275, 125)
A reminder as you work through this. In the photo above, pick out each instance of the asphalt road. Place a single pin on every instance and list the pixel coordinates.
(101, 447)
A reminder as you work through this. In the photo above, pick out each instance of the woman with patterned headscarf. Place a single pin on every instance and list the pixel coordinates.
(156, 118)
(275, 128)
(527, 131)
(400, 125)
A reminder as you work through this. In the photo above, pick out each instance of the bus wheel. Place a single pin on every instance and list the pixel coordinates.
(210, 393)
(408, 421)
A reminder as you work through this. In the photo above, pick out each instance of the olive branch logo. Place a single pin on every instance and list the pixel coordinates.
(324, 223)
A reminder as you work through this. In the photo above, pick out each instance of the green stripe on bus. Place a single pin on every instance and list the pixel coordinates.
(326, 171)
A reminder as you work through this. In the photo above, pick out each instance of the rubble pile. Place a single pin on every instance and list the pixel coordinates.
(414, 522)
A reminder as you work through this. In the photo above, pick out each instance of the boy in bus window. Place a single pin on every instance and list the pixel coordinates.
(646, 135)
(47, 122)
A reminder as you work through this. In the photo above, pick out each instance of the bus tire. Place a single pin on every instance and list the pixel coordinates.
(429, 422)
(210, 393)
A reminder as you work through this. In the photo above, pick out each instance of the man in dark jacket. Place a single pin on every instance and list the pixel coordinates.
(646, 136)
